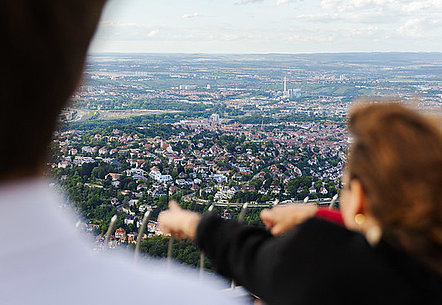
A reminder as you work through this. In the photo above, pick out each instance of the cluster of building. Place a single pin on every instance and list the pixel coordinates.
(208, 162)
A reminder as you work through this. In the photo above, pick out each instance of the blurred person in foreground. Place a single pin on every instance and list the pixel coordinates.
(43, 260)
(388, 250)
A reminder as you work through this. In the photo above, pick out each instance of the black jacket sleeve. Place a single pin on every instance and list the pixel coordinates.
(249, 255)
(316, 263)
(279, 270)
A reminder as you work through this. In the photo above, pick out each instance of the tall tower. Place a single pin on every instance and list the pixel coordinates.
(285, 84)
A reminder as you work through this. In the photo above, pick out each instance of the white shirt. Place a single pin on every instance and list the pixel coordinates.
(43, 260)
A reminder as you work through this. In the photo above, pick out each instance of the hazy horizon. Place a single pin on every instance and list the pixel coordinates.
(270, 53)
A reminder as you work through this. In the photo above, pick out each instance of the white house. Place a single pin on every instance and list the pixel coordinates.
(129, 219)
(164, 178)
(136, 173)
(133, 202)
(86, 149)
(219, 178)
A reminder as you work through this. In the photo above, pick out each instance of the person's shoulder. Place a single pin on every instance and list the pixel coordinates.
(423, 281)
(325, 233)
(116, 279)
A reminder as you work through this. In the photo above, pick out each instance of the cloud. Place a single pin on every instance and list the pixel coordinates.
(393, 12)
(280, 2)
(320, 17)
(354, 17)
(249, 1)
(153, 33)
(352, 5)
(419, 27)
(110, 23)
(407, 6)
(415, 6)
(192, 15)
(281, 25)
(412, 28)
(370, 31)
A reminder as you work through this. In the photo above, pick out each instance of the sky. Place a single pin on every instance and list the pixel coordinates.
(269, 26)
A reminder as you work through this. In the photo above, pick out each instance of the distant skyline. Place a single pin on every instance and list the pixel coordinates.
(269, 26)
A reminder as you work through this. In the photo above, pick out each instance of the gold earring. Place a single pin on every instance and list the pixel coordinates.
(359, 218)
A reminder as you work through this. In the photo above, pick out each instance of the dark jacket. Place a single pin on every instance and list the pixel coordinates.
(318, 262)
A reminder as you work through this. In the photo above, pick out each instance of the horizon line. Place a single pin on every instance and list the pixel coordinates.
(273, 53)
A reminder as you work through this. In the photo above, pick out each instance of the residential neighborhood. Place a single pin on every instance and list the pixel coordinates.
(205, 163)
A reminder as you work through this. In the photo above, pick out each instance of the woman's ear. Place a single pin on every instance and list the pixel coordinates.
(358, 197)
(354, 204)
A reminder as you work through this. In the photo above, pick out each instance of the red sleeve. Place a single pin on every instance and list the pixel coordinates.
(331, 215)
